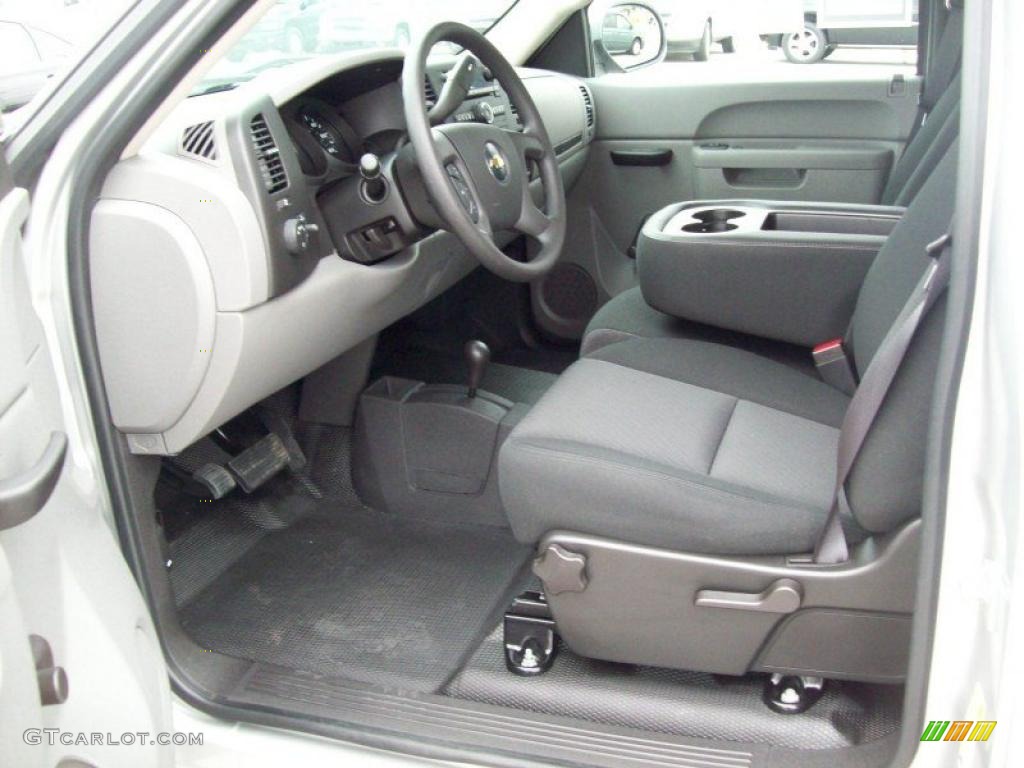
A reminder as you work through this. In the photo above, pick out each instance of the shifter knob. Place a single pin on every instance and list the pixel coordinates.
(478, 355)
(369, 166)
(373, 187)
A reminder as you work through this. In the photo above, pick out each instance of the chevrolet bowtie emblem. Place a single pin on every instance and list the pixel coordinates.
(496, 162)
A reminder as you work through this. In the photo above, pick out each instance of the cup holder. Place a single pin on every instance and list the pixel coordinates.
(714, 220)
(710, 226)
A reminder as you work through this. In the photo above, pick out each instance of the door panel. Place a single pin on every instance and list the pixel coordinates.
(63, 579)
(18, 688)
(663, 103)
(837, 171)
(820, 138)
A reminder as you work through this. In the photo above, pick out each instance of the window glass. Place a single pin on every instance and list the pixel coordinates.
(295, 30)
(16, 46)
(788, 35)
(41, 39)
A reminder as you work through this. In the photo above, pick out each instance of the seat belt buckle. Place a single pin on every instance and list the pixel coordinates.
(834, 366)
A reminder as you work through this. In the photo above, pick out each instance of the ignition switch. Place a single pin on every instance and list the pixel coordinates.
(484, 112)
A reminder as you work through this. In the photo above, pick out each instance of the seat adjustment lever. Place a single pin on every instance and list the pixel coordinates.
(783, 596)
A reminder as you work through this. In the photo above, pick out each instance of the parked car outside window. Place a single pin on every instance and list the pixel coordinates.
(28, 58)
(829, 24)
(619, 35)
(882, 32)
(42, 39)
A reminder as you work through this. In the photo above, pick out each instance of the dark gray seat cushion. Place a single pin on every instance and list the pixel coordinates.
(628, 316)
(708, 448)
(679, 444)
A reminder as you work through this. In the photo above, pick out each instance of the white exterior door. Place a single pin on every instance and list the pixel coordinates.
(80, 665)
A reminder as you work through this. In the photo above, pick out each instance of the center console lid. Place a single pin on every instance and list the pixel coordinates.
(789, 271)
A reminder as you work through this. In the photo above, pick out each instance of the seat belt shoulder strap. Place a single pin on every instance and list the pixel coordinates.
(874, 386)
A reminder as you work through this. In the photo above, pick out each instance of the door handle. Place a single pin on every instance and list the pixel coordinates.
(27, 492)
(647, 158)
(782, 596)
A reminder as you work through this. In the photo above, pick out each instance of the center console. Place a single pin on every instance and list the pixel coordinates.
(431, 449)
(789, 271)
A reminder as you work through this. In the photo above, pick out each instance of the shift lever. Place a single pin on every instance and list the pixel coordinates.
(478, 355)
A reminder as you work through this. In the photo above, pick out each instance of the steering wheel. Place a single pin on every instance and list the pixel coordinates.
(476, 174)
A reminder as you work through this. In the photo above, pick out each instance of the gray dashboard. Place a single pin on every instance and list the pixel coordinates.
(209, 295)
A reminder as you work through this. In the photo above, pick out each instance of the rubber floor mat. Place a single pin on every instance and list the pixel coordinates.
(374, 598)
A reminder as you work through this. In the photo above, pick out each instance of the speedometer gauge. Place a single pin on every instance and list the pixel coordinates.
(326, 135)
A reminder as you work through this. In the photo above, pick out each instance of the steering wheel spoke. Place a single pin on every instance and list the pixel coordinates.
(531, 146)
(461, 181)
(532, 220)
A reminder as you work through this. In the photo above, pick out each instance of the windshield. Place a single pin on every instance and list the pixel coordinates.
(294, 30)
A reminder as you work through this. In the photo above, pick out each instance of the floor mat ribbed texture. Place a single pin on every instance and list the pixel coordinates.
(691, 704)
(361, 595)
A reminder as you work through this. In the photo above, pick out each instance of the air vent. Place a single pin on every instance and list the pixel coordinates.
(198, 141)
(428, 91)
(267, 155)
(588, 105)
(515, 113)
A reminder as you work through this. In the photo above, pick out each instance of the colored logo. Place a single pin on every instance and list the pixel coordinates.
(496, 162)
(958, 730)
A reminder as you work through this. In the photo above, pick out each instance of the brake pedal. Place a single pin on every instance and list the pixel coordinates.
(529, 636)
(259, 462)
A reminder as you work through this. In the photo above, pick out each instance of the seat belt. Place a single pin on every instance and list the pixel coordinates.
(867, 400)
(943, 69)
(947, 60)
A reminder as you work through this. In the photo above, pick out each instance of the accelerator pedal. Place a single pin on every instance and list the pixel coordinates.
(279, 426)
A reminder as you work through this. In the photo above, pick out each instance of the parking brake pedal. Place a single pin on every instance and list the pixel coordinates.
(259, 462)
(530, 640)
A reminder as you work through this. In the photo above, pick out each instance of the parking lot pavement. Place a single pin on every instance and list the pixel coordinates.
(843, 63)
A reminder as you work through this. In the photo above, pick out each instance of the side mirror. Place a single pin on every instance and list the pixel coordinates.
(627, 36)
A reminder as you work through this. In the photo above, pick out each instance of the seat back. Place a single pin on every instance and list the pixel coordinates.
(885, 486)
(927, 147)
(939, 115)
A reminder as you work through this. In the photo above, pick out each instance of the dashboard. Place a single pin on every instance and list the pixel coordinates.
(334, 124)
(243, 247)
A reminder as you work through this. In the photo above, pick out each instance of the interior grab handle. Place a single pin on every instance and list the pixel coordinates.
(24, 494)
(782, 596)
(647, 158)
